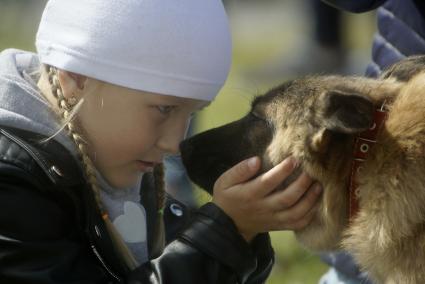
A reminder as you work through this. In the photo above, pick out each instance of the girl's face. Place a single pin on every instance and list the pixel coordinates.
(130, 131)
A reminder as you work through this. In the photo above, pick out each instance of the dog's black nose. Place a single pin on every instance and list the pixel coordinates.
(186, 149)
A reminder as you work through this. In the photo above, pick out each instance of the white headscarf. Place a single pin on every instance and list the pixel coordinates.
(173, 47)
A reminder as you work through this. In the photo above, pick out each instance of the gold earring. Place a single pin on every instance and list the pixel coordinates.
(72, 100)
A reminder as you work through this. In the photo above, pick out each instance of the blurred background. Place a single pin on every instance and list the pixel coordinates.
(273, 41)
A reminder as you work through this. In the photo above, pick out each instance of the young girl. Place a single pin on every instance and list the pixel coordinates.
(84, 126)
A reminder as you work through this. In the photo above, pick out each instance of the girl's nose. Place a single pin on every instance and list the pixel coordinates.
(169, 141)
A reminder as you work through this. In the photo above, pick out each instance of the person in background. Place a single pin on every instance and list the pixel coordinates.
(324, 53)
(321, 52)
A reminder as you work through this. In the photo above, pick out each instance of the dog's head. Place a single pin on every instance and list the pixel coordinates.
(313, 119)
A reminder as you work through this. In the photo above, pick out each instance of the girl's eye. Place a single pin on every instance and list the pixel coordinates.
(165, 109)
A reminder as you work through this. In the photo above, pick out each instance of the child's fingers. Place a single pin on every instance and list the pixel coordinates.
(267, 182)
(238, 174)
(287, 197)
(299, 211)
(304, 221)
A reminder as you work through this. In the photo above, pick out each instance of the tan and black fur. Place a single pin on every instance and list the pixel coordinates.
(316, 120)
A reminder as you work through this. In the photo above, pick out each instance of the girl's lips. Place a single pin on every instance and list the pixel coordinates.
(145, 166)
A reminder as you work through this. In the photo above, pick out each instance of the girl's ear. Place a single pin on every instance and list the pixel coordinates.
(72, 84)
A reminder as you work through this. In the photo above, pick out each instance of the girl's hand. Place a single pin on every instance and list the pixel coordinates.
(255, 208)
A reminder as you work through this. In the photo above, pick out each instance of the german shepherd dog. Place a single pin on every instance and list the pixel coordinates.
(320, 121)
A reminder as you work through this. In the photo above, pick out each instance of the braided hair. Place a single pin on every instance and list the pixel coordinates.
(68, 108)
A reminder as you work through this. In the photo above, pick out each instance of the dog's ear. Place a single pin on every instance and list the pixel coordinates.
(346, 112)
(320, 141)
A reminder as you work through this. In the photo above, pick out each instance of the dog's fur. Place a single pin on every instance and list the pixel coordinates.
(316, 120)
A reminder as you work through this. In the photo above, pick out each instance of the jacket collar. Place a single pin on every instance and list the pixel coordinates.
(54, 168)
(52, 158)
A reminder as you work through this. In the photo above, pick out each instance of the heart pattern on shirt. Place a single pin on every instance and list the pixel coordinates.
(132, 224)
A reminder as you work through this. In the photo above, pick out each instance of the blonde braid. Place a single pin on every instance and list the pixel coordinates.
(81, 144)
(159, 180)
(68, 112)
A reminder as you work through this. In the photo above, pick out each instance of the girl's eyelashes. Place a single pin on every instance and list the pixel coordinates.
(165, 109)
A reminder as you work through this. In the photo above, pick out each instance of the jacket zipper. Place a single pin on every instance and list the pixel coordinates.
(104, 263)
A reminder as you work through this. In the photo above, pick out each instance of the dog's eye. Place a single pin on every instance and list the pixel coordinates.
(256, 116)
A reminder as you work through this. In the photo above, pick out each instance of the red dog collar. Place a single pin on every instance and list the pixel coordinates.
(362, 146)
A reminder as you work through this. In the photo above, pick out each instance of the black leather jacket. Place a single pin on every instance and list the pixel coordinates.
(51, 230)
